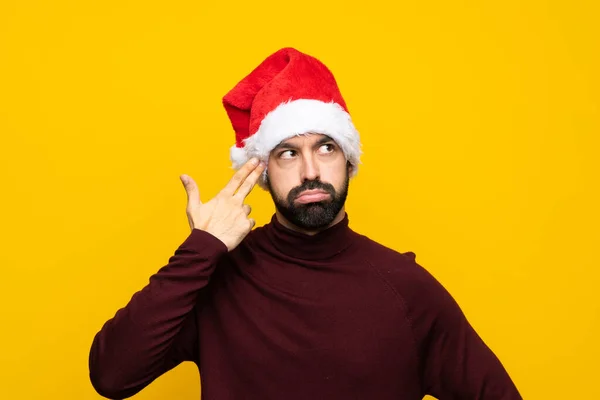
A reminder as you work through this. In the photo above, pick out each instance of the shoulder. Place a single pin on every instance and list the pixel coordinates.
(414, 285)
(250, 247)
(386, 259)
(255, 239)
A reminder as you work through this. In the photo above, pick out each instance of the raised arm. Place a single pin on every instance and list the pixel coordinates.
(157, 329)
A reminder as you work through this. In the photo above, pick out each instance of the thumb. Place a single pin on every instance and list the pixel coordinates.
(191, 190)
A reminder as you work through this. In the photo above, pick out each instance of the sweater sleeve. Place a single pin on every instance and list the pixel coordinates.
(157, 329)
(455, 361)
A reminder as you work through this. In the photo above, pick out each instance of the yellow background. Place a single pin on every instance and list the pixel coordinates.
(480, 125)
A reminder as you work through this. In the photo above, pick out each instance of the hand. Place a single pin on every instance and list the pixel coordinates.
(225, 216)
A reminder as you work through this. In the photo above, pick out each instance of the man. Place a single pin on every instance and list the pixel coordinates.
(303, 307)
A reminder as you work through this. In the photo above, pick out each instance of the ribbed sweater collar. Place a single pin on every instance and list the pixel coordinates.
(320, 246)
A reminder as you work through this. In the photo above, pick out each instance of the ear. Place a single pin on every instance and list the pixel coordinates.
(264, 182)
(349, 166)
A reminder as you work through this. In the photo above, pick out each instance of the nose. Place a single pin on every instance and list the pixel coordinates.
(310, 168)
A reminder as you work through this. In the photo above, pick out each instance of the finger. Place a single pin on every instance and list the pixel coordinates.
(240, 176)
(250, 181)
(191, 190)
(252, 222)
(247, 209)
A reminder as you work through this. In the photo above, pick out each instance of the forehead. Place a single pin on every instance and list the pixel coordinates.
(305, 139)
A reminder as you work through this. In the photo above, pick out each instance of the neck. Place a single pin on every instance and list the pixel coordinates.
(293, 242)
(285, 222)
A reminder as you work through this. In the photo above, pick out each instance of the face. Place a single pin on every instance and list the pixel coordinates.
(308, 179)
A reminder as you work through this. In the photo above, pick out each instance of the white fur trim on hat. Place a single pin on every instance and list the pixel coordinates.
(299, 117)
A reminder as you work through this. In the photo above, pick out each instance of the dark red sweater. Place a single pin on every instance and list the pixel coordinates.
(288, 316)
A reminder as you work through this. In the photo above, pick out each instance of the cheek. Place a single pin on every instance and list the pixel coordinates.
(335, 173)
(282, 180)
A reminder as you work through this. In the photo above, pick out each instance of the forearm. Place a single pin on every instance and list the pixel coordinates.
(455, 362)
(133, 347)
(461, 366)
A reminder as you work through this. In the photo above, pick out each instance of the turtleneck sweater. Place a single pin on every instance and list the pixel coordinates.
(286, 315)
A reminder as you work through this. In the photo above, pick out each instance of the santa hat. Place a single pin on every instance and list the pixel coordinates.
(290, 93)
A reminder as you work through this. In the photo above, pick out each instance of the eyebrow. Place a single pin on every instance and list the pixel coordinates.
(320, 142)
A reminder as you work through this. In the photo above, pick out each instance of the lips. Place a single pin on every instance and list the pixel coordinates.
(312, 196)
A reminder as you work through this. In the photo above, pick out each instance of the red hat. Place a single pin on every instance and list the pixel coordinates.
(290, 93)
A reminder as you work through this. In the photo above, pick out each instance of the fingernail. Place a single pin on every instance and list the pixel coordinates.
(254, 161)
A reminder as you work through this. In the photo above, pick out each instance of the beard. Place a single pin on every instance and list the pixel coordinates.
(315, 215)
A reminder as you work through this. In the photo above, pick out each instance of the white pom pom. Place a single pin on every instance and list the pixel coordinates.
(238, 156)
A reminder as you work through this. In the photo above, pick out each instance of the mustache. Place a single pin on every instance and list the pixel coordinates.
(311, 185)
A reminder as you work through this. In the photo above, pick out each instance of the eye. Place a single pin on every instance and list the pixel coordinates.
(287, 154)
(327, 148)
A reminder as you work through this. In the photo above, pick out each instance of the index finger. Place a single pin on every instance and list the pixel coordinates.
(249, 182)
(240, 176)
